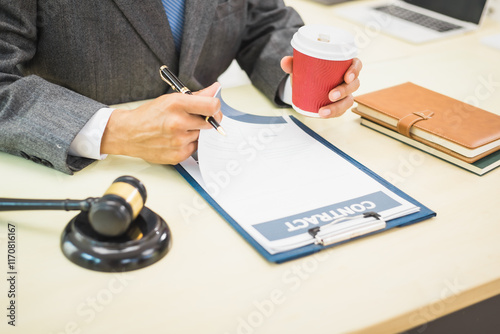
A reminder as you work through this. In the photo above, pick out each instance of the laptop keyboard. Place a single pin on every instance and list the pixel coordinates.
(421, 19)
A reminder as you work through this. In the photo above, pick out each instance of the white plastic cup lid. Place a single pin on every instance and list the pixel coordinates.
(324, 42)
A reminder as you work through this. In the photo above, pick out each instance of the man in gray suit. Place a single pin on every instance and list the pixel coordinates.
(63, 62)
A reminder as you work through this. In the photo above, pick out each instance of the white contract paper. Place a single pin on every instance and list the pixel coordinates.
(277, 181)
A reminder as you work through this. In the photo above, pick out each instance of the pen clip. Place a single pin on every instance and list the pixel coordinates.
(166, 79)
(174, 82)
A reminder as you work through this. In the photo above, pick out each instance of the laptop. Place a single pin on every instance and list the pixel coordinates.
(418, 21)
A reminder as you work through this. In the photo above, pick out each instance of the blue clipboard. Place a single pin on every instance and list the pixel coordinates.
(423, 214)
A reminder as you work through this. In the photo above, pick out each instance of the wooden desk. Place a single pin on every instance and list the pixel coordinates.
(212, 281)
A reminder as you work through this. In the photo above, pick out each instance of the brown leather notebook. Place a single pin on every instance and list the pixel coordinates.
(451, 126)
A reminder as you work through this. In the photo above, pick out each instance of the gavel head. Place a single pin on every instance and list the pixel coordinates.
(116, 232)
(112, 214)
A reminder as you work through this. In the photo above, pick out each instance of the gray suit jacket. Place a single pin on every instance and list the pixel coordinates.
(62, 60)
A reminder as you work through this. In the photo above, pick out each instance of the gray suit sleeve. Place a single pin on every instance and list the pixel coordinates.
(269, 30)
(38, 119)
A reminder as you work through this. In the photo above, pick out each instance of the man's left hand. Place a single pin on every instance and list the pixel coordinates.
(341, 96)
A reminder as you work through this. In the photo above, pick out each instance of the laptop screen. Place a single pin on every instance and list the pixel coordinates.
(464, 10)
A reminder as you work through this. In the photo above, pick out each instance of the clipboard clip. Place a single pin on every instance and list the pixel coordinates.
(334, 232)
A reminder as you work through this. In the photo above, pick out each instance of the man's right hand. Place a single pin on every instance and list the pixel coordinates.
(164, 130)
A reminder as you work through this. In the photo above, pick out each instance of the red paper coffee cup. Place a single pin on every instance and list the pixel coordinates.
(321, 56)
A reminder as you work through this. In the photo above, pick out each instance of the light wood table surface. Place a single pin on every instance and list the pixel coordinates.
(213, 281)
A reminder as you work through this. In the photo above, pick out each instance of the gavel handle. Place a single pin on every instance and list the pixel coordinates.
(18, 204)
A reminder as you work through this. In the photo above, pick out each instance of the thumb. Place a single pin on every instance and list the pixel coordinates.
(287, 64)
(210, 90)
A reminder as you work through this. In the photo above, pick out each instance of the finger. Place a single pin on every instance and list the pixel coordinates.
(353, 71)
(336, 109)
(343, 90)
(209, 91)
(208, 104)
(198, 104)
(189, 112)
(195, 122)
(218, 116)
(174, 157)
(187, 151)
(198, 122)
(178, 116)
(287, 64)
(173, 141)
(187, 138)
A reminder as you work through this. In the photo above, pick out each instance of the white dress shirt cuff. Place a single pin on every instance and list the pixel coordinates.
(285, 91)
(87, 143)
